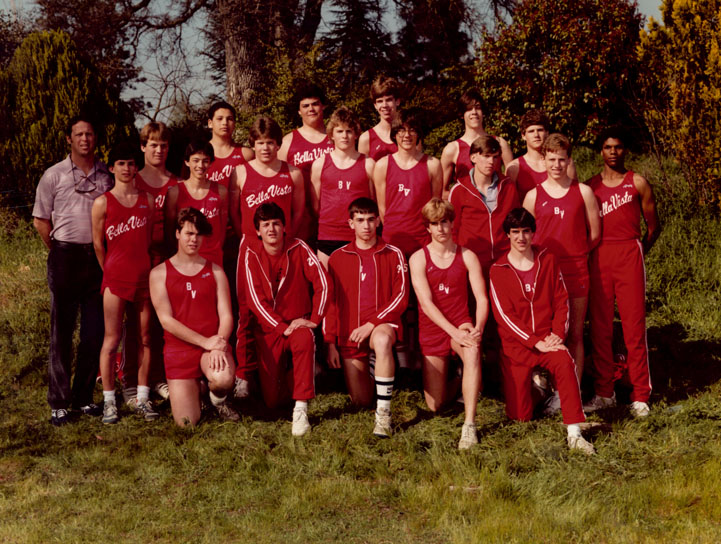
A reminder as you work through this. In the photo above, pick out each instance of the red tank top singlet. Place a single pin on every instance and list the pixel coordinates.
(259, 189)
(194, 302)
(338, 188)
(528, 178)
(220, 170)
(449, 290)
(302, 153)
(528, 279)
(561, 223)
(407, 191)
(463, 162)
(210, 205)
(157, 246)
(379, 148)
(127, 261)
(620, 209)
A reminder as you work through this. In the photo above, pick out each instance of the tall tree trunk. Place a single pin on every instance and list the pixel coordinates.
(251, 30)
(242, 65)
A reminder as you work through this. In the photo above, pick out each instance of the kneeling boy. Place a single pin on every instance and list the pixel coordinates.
(279, 276)
(370, 286)
(440, 273)
(192, 299)
(530, 303)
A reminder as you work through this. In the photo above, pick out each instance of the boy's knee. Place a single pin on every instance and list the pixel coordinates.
(382, 341)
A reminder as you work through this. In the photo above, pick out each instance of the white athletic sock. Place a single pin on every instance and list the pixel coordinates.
(143, 393)
(301, 405)
(215, 400)
(574, 429)
(109, 396)
(384, 392)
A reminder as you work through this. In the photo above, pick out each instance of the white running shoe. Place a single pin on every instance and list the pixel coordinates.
(580, 443)
(383, 423)
(241, 389)
(301, 425)
(600, 403)
(110, 413)
(468, 436)
(552, 405)
(639, 409)
(162, 390)
(146, 410)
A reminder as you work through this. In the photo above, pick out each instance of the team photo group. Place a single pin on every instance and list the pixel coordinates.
(335, 247)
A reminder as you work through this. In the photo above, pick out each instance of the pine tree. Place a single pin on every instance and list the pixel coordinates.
(45, 85)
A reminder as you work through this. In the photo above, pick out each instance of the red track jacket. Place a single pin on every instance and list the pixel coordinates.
(391, 290)
(475, 227)
(293, 299)
(524, 320)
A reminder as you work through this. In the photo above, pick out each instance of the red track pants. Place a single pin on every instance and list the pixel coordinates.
(517, 364)
(278, 382)
(618, 273)
(244, 341)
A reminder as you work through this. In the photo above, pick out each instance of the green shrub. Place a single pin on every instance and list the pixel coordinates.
(683, 78)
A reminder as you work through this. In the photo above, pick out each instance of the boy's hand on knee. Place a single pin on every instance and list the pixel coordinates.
(218, 360)
(553, 339)
(544, 347)
(361, 333)
(297, 324)
(473, 334)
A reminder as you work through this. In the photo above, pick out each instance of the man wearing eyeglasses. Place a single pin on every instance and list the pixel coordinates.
(63, 202)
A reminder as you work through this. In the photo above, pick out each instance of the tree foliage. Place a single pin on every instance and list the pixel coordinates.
(246, 38)
(109, 33)
(683, 59)
(358, 47)
(44, 85)
(576, 59)
(433, 36)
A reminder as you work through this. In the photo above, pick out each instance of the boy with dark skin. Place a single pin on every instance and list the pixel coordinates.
(618, 273)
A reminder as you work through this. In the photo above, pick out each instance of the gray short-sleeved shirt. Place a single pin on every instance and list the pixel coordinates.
(57, 199)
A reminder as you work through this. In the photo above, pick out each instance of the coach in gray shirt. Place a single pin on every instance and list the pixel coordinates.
(63, 202)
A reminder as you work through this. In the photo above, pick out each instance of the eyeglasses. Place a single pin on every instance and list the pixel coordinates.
(84, 184)
(406, 130)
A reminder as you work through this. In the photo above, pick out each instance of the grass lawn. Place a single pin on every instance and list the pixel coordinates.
(652, 480)
(656, 479)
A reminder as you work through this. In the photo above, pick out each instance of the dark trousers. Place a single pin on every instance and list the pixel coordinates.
(74, 278)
